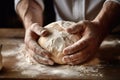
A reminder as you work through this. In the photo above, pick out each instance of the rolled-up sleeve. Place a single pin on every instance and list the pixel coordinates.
(16, 2)
(40, 2)
(117, 1)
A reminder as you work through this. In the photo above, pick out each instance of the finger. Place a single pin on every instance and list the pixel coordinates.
(32, 44)
(76, 62)
(80, 57)
(77, 46)
(40, 59)
(75, 28)
(38, 29)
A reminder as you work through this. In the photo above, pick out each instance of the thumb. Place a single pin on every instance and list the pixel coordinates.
(75, 28)
(39, 30)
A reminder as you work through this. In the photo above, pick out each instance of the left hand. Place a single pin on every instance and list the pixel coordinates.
(87, 46)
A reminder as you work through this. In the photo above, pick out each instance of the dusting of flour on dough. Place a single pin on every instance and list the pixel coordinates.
(58, 39)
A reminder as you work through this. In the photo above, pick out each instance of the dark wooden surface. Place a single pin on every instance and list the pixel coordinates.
(106, 64)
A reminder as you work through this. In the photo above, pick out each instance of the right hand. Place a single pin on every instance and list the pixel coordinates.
(38, 53)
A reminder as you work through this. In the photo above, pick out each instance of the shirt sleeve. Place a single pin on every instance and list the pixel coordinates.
(40, 2)
(15, 3)
(117, 1)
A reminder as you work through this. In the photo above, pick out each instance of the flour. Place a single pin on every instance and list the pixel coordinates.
(30, 68)
(17, 59)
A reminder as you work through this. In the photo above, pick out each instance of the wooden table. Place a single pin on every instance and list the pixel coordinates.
(105, 65)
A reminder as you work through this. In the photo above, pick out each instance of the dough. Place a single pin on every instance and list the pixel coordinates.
(58, 39)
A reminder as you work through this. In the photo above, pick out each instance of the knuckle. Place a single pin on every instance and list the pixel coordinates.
(68, 50)
(83, 43)
(81, 22)
(75, 56)
(74, 48)
(74, 26)
(65, 51)
(35, 48)
(33, 26)
(44, 32)
(72, 56)
(84, 22)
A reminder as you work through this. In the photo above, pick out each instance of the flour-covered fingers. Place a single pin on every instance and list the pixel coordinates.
(42, 60)
(37, 49)
(32, 44)
(38, 58)
(78, 57)
(77, 46)
(39, 30)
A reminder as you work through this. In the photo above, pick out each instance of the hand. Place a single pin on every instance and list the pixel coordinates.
(87, 46)
(31, 36)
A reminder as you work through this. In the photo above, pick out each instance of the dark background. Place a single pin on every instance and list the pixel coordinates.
(9, 18)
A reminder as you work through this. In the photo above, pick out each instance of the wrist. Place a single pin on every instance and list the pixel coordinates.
(102, 25)
(108, 17)
(101, 29)
(31, 24)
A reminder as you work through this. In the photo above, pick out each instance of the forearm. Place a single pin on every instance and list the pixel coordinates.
(109, 16)
(30, 12)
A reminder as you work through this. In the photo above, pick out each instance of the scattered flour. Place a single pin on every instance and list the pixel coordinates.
(30, 68)
(16, 59)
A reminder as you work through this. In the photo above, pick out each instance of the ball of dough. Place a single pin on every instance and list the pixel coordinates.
(58, 39)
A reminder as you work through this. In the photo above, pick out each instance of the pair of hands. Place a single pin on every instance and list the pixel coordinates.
(77, 53)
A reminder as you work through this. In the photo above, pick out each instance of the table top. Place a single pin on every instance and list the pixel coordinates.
(105, 65)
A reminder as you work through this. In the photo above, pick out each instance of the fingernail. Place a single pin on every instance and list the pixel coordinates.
(46, 56)
(50, 62)
(66, 59)
(70, 64)
(44, 33)
(65, 51)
